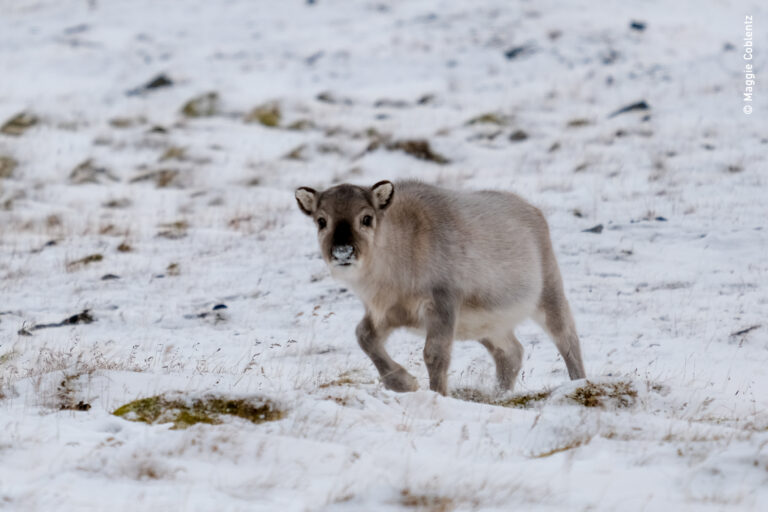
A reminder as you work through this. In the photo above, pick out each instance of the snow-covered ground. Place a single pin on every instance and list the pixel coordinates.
(192, 212)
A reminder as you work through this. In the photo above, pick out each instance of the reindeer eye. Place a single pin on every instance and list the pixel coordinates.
(367, 220)
(321, 223)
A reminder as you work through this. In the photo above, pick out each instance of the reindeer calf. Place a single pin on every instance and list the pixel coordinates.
(454, 265)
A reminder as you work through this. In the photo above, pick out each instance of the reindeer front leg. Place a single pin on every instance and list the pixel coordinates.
(441, 326)
(371, 339)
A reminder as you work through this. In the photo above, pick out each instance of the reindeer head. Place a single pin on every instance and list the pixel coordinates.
(346, 217)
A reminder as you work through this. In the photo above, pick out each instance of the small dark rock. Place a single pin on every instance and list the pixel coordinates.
(594, 229)
(82, 406)
(390, 103)
(518, 135)
(637, 25)
(84, 317)
(314, 58)
(76, 29)
(219, 306)
(640, 105)
(329, 97)
(610, 57)
(426, 99)
(159, 81)
(660, 219)
(518, 51)
(109, 277)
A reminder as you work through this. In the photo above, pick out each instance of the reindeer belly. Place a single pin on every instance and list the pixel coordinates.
(475, 324)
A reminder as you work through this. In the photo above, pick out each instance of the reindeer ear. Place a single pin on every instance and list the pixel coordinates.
(383, 192)
(307, 199)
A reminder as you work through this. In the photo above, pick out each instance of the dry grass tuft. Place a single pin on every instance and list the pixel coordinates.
(82, 262)
(7, 166)
(490, 118)
(118, 203)
(162, 178)
(65, 394)
(268, 115)
(18, 124)
(519, 401)
(345, 379)
(578, 123)
(622, 393)
(296, 153)
(174, 230)
(90, 172)
(417, 148)
(426, 502)
(174, 153)
(563, 448)
(205, 105)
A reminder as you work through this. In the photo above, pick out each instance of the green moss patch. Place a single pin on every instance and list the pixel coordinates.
(184, 412)
(301, 125)
(268, 115)
(205, 105)
(490, 118)
(591, 394)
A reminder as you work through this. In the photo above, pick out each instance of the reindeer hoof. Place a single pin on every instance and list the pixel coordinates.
(400, 381)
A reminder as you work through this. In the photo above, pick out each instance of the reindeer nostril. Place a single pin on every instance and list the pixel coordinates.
(342, 252)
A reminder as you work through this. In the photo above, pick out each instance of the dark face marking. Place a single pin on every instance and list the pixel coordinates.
(342, 234)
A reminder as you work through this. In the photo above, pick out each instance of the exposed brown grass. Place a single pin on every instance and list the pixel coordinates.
(426, 502)
(84, 261)
(592, 394)
(519, 401)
